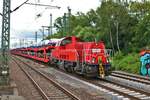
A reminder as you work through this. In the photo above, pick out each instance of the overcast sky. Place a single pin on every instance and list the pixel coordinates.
(24, 21)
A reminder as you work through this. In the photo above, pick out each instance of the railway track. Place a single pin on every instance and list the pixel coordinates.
(116, 89)
(119, 90)
(48, 88)
(131, 77)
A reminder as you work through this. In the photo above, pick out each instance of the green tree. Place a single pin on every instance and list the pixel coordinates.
(114, 22)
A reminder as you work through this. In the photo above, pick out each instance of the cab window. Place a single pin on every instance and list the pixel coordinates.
(66, 41)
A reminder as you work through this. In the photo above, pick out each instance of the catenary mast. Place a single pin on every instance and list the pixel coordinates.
(4, 69)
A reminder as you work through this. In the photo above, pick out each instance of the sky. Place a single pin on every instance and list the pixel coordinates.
(24, 21)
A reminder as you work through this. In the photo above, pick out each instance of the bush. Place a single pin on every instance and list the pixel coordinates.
(128, 63)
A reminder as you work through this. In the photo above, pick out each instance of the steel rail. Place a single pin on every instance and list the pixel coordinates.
(131, 88)
(111, 89)
(52, 81)
(43, 94)
(116, 91)
(130, 77)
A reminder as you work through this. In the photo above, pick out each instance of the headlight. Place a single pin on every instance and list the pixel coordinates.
(4, 72)
(89, 68)
(93, 60)
(109, 60)
(96, 50)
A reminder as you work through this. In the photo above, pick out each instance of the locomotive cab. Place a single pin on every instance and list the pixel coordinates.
(95, 59)
(64, 53)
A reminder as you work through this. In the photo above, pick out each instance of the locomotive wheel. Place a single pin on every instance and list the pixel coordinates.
(61, 64)
(69, 69)
(85, 72)
(66, 68)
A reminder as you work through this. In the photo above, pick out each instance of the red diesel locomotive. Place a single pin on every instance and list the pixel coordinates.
(72, 55)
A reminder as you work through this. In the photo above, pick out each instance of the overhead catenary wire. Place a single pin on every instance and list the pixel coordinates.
(19, 6)
(43, 5)
(41, 13)
(37, 3)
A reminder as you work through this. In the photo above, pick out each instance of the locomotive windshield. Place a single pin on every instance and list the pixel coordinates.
(79, 40)
(66, 41)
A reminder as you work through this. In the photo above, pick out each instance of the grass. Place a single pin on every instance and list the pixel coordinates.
(128, 63)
